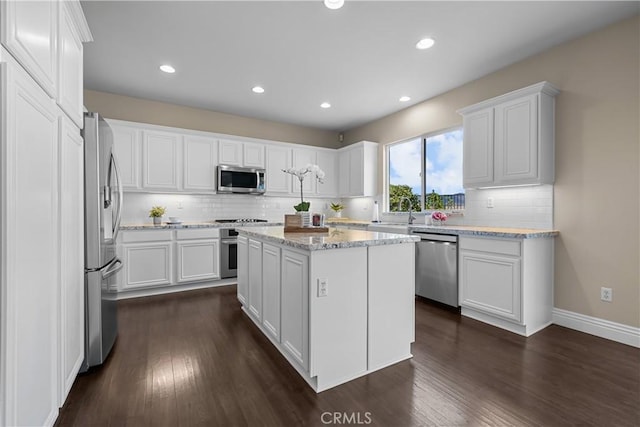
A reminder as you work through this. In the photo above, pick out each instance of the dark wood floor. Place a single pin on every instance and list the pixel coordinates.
(193, 358)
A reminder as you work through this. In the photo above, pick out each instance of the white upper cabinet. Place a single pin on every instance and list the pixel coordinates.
(509, 140)
(29, 31)
(230, 152)
(126, 141)
(278, 157)
(328, 162)
(301, 158)
(252, 155)
(70, 67)
(200, 159)
(238, 153)
(358, 169)
(478, 145)
(160, 152)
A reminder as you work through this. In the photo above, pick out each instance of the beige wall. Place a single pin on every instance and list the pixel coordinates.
(160, 113)
(597, 189)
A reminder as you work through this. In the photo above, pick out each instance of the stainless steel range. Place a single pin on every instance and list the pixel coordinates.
(229, 246)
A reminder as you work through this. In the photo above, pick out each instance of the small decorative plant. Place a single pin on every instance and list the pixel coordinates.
(301, 174)
(337, 207)
(157, 211)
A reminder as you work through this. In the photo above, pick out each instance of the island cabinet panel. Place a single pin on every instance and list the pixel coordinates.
(339, 319)
(255, 279)
(295, 307)
(243, 270)
(271, 290)
(390, 334)
(338, 307)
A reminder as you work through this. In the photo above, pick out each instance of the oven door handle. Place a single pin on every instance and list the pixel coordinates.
(228, 242)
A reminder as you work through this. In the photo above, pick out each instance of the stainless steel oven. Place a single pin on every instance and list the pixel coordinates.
(228, 253)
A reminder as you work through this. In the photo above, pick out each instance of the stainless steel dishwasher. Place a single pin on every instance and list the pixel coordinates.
(437, 267)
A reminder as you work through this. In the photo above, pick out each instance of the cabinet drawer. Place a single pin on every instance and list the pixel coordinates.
(146, 236)
(198, 233)
(497, 246)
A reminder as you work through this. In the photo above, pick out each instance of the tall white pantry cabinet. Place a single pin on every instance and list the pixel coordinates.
(41, 209)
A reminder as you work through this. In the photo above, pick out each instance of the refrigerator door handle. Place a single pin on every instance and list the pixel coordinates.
(112, 268)
(114, 165)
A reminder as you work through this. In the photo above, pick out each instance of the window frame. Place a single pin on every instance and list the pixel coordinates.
(423, 176)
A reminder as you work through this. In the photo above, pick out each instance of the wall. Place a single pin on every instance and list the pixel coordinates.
(160, 113)
(597, 188)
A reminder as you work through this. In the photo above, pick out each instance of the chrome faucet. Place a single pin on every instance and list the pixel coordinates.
(411, 217)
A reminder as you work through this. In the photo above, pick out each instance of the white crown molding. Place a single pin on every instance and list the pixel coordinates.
(602, 328)
(78, 19)
(542, 87)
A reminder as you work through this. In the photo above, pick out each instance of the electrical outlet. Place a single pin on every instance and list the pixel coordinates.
(323, 287)
(179, 205)
(606, 294)
(490, 202)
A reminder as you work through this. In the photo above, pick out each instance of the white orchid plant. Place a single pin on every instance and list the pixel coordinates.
(301, 175)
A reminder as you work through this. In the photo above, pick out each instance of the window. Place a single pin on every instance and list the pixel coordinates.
(427, 171)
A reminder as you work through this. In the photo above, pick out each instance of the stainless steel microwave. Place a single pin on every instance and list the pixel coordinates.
(235, 179)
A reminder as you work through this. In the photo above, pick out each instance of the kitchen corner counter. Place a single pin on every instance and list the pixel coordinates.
(166, 226)
(336, 238)
(468, 230)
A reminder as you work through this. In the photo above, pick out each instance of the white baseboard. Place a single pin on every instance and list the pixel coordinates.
(618, 332)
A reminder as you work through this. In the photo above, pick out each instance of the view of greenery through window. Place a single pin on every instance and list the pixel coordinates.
(439, 186)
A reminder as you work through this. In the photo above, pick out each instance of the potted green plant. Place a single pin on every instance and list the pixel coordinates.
(337, 209)
(156, 213)
(302, 208)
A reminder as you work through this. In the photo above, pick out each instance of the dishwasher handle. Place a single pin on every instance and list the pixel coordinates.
(435, 237)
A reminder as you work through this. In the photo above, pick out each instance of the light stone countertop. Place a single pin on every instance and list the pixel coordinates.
(203, 224)
(336, 238)
(468, 230)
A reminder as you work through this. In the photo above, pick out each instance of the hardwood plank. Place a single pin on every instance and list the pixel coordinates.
(194, 359)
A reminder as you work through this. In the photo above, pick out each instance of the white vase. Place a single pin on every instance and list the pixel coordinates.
(157, 220)
(305, 218)
(337, 214)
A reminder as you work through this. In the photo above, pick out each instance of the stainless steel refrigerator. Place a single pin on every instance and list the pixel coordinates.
(103, 210)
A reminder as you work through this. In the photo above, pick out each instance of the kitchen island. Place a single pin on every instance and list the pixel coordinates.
(337, 305)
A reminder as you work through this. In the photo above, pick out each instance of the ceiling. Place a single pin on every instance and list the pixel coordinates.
(360, 58)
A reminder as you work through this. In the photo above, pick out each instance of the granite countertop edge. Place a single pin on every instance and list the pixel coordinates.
(396, 239)
(188, 225)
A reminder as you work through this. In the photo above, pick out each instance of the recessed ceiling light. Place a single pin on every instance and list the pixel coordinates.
(258, 89)
(425, 43)
(167, 69)
(334, 4)
(325, 105)
(404, 99)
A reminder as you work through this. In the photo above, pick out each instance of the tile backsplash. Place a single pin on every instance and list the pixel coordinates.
(190, 207)
(522, 207)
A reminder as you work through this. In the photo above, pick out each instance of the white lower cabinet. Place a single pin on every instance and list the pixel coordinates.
(255, 279)
(147, 264)
(198, 260)
(507, 282)
(271, 290)
(243, 270)
(167, 258)
(295, 306)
